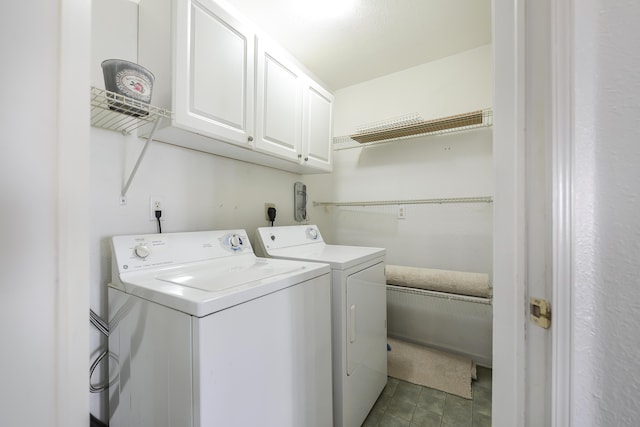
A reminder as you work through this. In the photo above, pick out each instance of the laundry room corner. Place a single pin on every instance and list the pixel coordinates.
(410, 191)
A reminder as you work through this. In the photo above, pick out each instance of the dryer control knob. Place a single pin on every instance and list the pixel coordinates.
(142, 251)
(313, 233)
(235, 242)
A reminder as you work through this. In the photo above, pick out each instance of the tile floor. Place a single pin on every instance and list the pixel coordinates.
(403, 404)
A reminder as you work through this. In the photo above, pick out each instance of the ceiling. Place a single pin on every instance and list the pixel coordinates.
(375, 38)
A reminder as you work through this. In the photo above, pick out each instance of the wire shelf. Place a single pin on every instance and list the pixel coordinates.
(112, 111)
(412, 126)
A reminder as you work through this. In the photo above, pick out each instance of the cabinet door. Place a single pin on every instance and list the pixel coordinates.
(317, 127)
(214, 72)
(279, 104)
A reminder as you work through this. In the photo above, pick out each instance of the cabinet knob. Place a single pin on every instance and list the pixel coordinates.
(250, 139)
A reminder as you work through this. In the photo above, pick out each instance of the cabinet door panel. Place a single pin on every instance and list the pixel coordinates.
(214, 86)
(279, 98)
(317, 134)
(218, 70)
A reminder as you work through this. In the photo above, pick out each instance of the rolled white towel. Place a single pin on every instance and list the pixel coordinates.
(455, 282)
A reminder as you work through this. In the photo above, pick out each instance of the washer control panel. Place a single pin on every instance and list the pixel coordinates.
(139, 252)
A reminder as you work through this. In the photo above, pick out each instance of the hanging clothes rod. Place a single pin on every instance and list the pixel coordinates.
(484, 199)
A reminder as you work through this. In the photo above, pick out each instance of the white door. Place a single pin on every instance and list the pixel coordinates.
(366, 336)
(214, 87)
(366, 320)
(278, 104)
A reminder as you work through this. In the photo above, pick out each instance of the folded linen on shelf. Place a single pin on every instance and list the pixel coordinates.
(455, 282)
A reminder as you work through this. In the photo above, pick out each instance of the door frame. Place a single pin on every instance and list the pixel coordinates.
(510, 305)
(508, 407)
(72, 240)
(562, 160)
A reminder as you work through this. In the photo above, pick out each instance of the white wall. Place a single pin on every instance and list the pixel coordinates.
(606, 374)
(454, 237)
(200, 191)
(29, 212)
(43, 214)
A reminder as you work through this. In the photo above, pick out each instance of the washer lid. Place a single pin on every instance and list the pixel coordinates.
(205, 287)
(228, 274)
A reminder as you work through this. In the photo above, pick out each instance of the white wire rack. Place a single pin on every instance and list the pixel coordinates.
(411, 126)
(482, 199)
(112, 111)
(394, 122)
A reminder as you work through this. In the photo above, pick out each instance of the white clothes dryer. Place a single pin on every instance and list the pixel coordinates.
(359, 307)
(204, 333)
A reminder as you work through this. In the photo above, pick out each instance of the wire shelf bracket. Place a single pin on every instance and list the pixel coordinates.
(123, 194)
(113, 111)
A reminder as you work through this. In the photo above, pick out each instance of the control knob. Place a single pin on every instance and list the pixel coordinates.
(313, 233)
(235, 242)
(142, 251)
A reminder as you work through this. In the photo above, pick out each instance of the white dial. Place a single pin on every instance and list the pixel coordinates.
(235, 242)
(313, 233)
(142, 251)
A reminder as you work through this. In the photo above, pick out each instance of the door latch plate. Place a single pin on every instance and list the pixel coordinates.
(540, 312)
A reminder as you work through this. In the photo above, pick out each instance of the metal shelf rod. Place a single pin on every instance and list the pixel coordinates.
(484, 199)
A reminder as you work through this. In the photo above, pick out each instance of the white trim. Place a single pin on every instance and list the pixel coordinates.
(72, 296)
(562, 55)
(509, 219)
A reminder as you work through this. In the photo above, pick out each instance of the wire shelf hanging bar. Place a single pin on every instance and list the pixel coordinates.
(482, 199)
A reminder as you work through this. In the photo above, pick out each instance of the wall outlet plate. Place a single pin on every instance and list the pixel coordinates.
(156, 203)
(266, 208)
(402, 212)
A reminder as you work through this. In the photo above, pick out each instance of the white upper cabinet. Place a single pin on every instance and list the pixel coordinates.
(233, 93)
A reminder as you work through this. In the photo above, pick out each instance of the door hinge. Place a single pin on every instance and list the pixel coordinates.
(540, 312)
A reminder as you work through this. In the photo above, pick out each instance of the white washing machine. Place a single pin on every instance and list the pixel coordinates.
(204, 333)
(359, 307)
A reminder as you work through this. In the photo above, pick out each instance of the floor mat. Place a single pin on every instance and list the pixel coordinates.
(431, 368)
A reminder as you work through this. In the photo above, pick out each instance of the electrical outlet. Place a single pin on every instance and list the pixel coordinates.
(402, 213)
(156, 203)
(266, 208)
